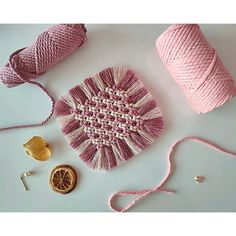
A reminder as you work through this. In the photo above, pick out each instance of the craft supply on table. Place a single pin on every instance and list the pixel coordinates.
(26, 64)
(38, 148)
(198, 179)
(109, 118)
(63, 179)
(23, 176)
(161, 187)
(195, 66)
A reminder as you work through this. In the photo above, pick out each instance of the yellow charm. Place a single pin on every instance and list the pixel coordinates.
(38, 148)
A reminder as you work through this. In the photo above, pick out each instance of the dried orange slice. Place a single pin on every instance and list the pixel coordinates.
(38, 148)
(63, 179)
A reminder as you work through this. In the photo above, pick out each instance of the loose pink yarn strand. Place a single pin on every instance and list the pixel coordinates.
(144, 193)
(37, 84)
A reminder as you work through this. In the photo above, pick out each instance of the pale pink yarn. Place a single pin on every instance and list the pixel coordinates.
(141, 194)
(195, 66)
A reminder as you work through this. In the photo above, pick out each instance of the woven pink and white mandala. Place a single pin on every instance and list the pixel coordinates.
(109, 118)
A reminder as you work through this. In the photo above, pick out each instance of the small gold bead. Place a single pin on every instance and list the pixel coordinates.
(198, 179)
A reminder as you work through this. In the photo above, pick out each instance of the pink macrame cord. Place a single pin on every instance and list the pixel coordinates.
(159, 188)
(30, 82)
(26, 64)
(196, 67)
(109, 118)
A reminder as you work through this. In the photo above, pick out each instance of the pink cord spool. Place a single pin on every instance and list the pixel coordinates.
(26, 64)
(195, 66)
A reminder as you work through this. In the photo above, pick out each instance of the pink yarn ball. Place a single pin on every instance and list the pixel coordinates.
(51, 46)
(26, 64)
(195, 66)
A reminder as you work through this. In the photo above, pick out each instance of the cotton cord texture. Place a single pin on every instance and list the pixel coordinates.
(195, 66)
(26, 64)
(160, 187)
(109, 118)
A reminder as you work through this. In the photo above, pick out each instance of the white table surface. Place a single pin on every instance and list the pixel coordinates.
(131, 46)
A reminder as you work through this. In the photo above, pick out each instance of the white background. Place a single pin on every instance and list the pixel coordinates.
(118, 45)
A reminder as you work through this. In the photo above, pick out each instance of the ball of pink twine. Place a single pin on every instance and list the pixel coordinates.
(26, 64)
(195, 66)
